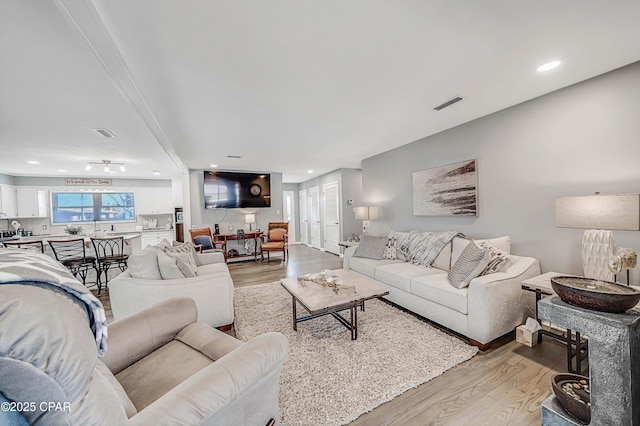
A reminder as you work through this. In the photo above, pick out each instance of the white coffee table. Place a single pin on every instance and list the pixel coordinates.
(320, 300)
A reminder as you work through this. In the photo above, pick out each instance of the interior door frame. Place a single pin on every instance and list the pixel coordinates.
(303, 201)
(325, 220)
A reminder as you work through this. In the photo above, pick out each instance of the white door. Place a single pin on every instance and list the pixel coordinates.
(314, 216)
(331, 217)
(288, 210)
(304, 217)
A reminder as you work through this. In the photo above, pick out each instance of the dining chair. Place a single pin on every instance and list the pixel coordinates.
(204, 241)
(36, 245)
(72, 254)
(109, 252)
(277, 240)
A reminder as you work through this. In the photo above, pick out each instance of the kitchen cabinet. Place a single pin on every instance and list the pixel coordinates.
(32, 202)
(8, 201)
(154, 201)
(155, 237)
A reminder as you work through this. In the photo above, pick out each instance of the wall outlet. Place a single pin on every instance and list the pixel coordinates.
(193, 227)
(277, 211)
(44, 227)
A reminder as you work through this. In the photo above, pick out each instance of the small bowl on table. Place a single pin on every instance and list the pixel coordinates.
(598, 295)
(574, 394)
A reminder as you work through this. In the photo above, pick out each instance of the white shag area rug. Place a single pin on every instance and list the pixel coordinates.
(328, 379)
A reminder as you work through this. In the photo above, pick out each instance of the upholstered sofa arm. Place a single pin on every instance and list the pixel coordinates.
(134, 337)
(213, 294)
(246, 390)
(209, 258)
(348, 254)
(496, 302)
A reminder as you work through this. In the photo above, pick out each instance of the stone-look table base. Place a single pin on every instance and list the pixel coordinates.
(614, 362)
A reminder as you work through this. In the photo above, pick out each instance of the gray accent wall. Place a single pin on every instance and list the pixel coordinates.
(200, 217)
(575, 141)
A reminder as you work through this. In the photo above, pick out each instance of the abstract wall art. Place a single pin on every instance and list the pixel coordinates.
(450, 190)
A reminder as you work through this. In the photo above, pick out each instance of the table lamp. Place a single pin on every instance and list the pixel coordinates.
(365, 214)
(598, 214)
(250, 219)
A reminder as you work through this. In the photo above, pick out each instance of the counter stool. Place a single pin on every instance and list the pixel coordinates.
(27, 245)
(73, 255)
(110, 252)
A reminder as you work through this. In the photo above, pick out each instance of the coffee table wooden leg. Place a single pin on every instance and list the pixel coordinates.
(354, 322)
(295, 315)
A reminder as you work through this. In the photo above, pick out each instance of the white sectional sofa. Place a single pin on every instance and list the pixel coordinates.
(489, 307)
(149, 281)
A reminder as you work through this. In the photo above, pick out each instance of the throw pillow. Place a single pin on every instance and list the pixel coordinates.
(400, 237)
(499, 259)
(187, 249)
(168, 268)
(391, 249)
(469, 265)
(371, 247)
(501, 243)
(144, 264)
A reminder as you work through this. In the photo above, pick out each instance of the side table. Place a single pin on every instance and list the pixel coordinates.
(344, 244)
(541, 286)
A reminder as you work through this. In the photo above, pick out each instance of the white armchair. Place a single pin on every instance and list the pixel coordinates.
(211, 289)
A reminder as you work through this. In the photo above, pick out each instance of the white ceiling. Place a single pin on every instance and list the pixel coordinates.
(288, 85)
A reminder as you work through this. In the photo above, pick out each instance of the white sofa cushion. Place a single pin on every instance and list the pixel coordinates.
(144, 264)
(443, 261)
(368, 266)
(501, 243)
(399, 275)
(168, 268)
(436, 288)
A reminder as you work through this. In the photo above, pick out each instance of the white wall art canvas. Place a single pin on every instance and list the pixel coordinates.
(450, 190)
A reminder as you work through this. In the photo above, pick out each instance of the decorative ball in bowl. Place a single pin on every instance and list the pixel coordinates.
(597, 295)
(574, 394)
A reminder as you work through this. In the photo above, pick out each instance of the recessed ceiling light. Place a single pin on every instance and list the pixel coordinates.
(33, 162)
(213, 165)
(62, 171)
(156, 172)
(309, 171)
(549, 66)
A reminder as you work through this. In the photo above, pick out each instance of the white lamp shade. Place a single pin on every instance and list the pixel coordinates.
(366, 213)
(613, 212)
(250, 218)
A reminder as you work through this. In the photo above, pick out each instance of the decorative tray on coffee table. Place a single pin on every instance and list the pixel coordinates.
(598, 295)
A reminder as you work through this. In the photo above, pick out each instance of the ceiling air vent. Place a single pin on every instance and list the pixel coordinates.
(234, 156)
(105, 133)
(448, 103)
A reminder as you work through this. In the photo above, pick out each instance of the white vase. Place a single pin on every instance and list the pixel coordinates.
(597, 248)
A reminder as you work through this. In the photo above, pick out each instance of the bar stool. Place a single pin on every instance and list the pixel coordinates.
(110, 252)
(73, 255)
(27, 245)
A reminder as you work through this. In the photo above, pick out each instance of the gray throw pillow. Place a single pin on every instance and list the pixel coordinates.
(371, 247)
(469, 265)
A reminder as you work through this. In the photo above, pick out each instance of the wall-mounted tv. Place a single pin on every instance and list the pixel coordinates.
(236, 190)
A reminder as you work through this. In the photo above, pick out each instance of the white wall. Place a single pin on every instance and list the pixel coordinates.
(575, 141)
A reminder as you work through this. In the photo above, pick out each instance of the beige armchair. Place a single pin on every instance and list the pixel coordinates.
(161, 366)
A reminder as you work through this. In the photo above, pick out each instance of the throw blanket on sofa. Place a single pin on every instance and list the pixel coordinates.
(18, 266)
(422, 248)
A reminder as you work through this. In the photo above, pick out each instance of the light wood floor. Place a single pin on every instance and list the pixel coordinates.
(504, 385)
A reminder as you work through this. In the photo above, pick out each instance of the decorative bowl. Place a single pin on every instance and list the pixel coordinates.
(578, 401)
(597, 295)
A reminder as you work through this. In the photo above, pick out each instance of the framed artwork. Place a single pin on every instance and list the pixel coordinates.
(450, 190)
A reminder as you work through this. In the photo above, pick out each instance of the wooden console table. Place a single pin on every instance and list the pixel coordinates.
(255, 236)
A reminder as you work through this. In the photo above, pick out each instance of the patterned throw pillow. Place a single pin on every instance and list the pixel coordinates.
(499, 259)
(391, 250)
(469, 265)
(186, 249)
(371, 247)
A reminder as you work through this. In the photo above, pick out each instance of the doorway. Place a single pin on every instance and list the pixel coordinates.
(331, 217)
(314, 205)
(289, 214)
(304, 216)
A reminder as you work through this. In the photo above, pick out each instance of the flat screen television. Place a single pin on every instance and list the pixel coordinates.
(236, 190)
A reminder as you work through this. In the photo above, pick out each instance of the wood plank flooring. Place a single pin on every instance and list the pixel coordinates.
(504, 385)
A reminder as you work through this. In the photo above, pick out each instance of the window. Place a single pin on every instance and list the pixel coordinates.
(69, 207)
